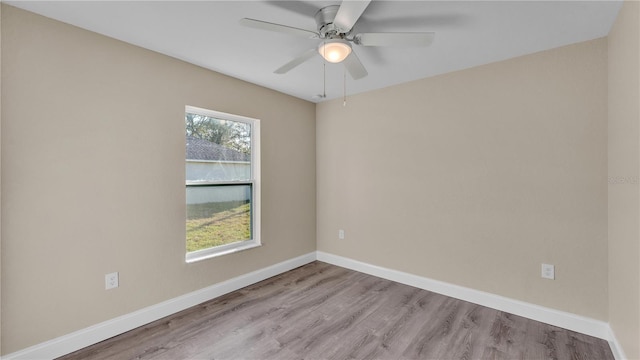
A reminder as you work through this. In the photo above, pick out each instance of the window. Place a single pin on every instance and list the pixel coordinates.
(222, 183)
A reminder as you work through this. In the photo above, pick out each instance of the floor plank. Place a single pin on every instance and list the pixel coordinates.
(321, 311)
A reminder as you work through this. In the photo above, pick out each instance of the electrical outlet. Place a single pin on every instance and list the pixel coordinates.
(341, 234)
(548, 271)
(111, 281)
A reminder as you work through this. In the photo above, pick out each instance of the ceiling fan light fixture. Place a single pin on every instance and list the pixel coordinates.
(334, 51)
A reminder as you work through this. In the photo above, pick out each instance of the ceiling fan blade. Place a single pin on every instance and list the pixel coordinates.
(394, 39)
(264, 25)
(349, 13)
(355, 67)
(297, 61)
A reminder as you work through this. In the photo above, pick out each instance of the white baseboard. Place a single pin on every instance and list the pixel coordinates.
(99, 332)
(562, 319)
(615, 346)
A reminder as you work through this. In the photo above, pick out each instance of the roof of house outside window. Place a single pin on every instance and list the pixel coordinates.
(199, 149)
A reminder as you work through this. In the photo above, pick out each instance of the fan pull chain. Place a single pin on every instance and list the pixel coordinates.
(344, 81)
(324, 70)
(324, 79)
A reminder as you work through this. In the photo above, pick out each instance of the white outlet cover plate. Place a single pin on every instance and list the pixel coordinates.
(548, 271)
(111, 281)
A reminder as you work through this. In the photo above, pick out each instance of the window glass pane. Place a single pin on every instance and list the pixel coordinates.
(217, 150)
(218, 215)
(222, 183)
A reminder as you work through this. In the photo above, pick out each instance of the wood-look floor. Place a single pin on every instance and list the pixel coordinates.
(321, 311)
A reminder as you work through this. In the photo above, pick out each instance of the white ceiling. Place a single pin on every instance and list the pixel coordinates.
(208, 34)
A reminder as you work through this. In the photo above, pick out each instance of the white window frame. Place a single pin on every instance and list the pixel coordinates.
(255, 188)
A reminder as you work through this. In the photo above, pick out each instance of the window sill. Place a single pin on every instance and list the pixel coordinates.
(223, 250)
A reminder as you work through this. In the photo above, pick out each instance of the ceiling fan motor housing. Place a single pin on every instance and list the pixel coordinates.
(324, 20)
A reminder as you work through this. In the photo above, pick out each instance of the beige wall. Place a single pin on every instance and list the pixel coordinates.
(477, 177)
(624, 175)
(0, 183)
(93, 177)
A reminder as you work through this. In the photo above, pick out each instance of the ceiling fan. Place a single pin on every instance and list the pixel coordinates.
(334, 24)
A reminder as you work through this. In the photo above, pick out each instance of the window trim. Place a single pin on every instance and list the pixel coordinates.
(220, 250)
